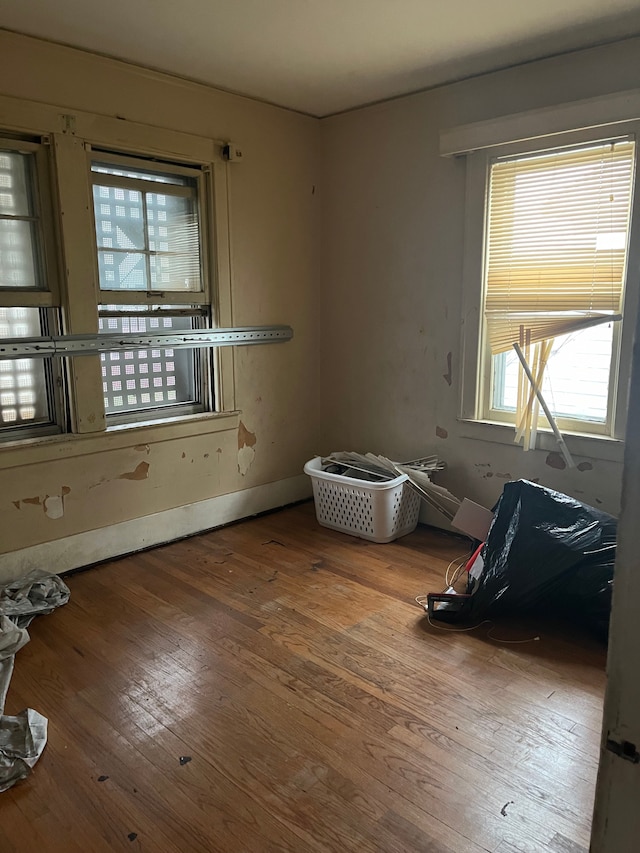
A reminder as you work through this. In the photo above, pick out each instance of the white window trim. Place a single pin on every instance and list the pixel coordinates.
(70, 133)
(473, 365)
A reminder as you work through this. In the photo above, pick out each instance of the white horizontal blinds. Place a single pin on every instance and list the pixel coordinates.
(556, 244)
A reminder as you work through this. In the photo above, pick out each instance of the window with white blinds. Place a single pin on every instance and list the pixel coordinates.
(557, 233)
(556, 241)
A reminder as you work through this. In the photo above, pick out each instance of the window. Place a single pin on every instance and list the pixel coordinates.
(556, 241)
(97, 240)
(143, 379)
(147, 228)
(29, 401)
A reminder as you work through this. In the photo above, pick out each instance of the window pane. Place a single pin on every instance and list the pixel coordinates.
(122, 270)
(146, 240)
(135, 380)
(17, 253)
(576, 383)
(15, 195)
(18, 240)
(23, 382)
(119, 218)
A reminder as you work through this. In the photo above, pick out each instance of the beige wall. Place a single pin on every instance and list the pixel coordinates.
(274, 231)
(392, 276)
(380, 266)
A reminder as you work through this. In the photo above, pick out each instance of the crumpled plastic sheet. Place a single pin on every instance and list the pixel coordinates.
(24, 736)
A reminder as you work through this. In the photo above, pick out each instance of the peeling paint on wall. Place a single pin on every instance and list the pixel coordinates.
(143, 448)
(53, 506)
(246, 453)
(585, 466)
(441, 432)
(140, 472)
(555, 460)
(245, 437)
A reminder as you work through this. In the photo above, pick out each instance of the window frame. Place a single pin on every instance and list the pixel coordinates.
(68, 133)
(203, 373)
(204, 365)
(47, 298)
(207, 269)
(475, 358)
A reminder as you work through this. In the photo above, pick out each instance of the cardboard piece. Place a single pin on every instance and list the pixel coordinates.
(473, 519)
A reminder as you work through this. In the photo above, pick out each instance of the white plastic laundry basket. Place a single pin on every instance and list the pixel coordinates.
(380, 512)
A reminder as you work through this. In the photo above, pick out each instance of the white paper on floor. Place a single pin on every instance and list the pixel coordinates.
(22, 737)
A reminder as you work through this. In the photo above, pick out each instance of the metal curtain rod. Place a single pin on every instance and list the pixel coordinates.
(73, 345)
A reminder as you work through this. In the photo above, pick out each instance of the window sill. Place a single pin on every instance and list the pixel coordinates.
(579, 444)
(48, 448)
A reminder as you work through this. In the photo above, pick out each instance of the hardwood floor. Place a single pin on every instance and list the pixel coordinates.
(273, 686)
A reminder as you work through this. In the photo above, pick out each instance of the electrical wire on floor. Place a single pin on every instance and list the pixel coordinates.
(460, 563)
(421, 601)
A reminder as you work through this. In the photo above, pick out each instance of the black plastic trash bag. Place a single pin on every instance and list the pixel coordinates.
(546, 551)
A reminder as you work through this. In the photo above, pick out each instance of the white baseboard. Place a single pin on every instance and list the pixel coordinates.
(105, 543)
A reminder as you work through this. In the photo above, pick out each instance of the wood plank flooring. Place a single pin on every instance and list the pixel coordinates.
(272, 686)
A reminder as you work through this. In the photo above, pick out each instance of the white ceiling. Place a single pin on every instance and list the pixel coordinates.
(324, 56)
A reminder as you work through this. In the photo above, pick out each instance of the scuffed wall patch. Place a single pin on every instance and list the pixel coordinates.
(246, 453)
(448, 376)
(585, 466)
(441, 432)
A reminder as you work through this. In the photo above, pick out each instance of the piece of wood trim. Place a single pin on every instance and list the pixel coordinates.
(616, 108)
(35, 451)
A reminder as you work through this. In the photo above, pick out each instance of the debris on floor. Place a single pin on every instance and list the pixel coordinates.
(503, 810)
(373, 497)
(544, 551)
(379, 468)
(22, 737)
